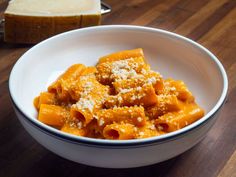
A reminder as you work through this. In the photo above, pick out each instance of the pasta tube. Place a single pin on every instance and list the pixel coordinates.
(148, 130)
(165, 104)
(90, 95)
(89, 70)
(117, 131)
(133, 115)
(53, 115)
(181, 89)
(83, 110)
(94, 130)
(65, 81)
(144, 96)
(68, 128)
(148, 77)
(88, 85)
(45, 98)
(123, 69)
(176, 120)
(122, 55)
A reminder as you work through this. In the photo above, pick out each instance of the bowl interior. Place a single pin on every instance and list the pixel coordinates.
(171, 55)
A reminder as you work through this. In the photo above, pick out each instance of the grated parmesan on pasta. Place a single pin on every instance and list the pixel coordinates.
(119, 98)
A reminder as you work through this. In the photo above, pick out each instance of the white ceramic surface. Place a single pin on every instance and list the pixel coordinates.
(170, 54)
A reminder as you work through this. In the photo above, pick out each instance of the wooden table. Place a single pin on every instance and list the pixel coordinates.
(212, 23)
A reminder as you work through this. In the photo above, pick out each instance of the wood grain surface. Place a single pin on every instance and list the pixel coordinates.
(212, 23)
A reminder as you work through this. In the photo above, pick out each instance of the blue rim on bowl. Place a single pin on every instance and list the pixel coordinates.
(124, 143)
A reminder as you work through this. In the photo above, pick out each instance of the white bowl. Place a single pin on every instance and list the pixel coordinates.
(171, 54)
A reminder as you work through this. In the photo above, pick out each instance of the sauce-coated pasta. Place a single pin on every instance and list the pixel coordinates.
(120, 98)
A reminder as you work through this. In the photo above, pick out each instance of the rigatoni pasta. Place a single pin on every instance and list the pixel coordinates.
(62, 85)
(53, 115)
(120, 98)
(119, 131)
(122, 55)
(133, 115)
(176, 120)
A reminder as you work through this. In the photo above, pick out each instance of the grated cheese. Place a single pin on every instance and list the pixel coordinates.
(122, 130)
(139, 119)
(120, 99)
(79, 125)
(151, 80)
(160, 128)
(84, 103)
(139, 88)
(141, 133)
(122, 91)
(101, 122)
(122, 69)
(143, 71)
(152, 127)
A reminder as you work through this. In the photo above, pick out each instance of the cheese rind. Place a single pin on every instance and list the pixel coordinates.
(25, 26)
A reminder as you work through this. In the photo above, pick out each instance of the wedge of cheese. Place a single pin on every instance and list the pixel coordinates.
(31, 21)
